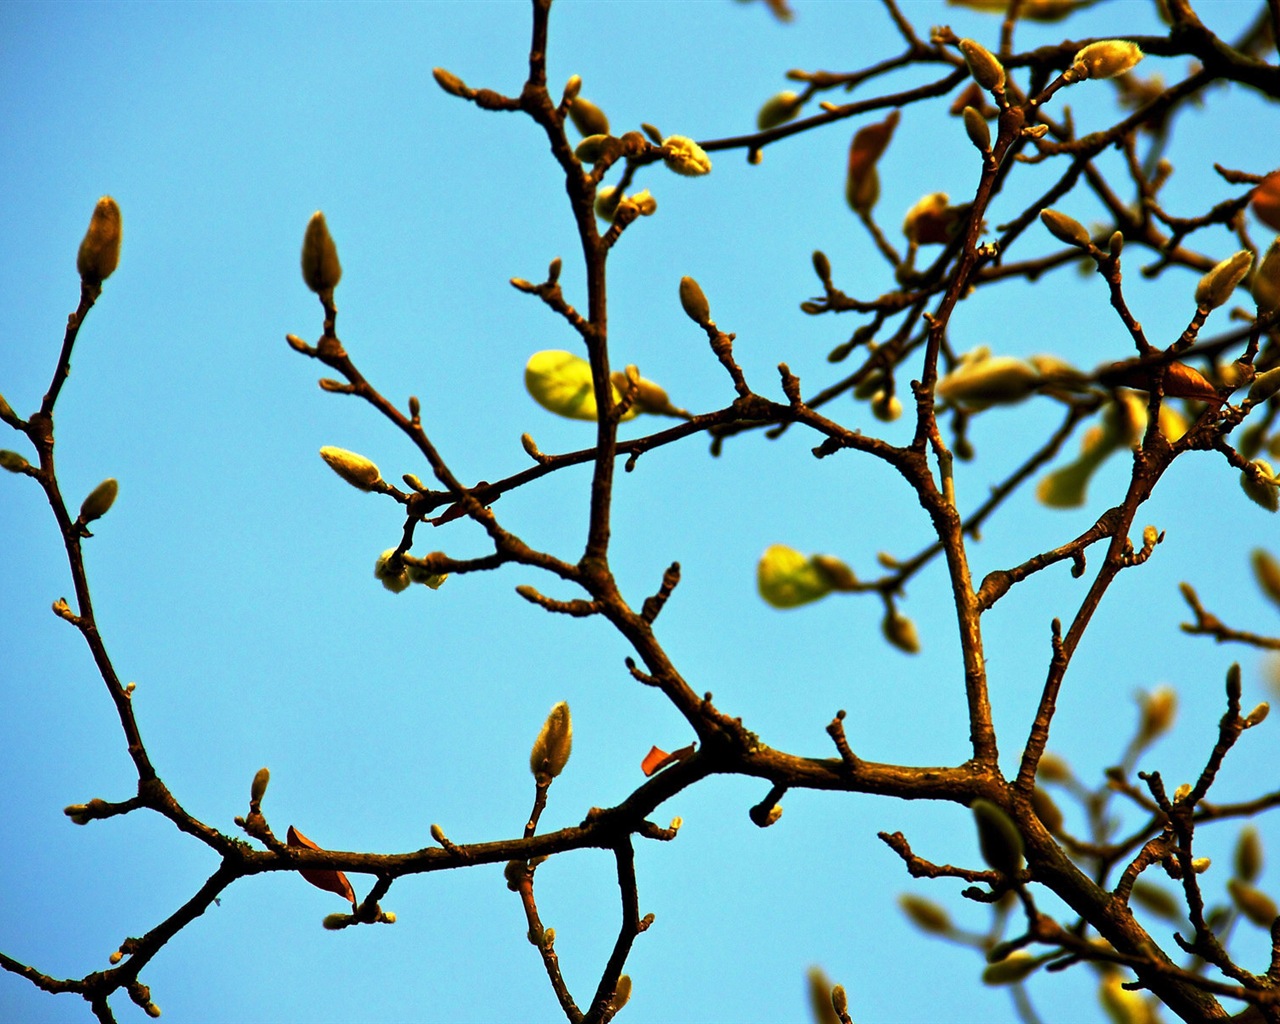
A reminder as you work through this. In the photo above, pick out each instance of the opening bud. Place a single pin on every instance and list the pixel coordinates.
(100, 250)
(554, 744)
(396, 582)
(1216, 287)
(355, 469)
(684, 156)
(1106, 59)
(320, 267)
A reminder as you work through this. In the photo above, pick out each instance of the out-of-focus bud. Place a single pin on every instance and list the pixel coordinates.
(592, 148)
(925, 914)
(1157, 900)
(1047, 811)
(417, 574)
(320, 267)
(1065, 229)
(355, 469)
(979, 131)
(838, 574)
(862, 184)
(1121, 1005)
(1265, 491)
(99, 501)
(932, 222)
(1216, 287)
(554, 744)
(1248, 857)
(999, 840)
(449, 82)
(1106, 59)
(336, 922)
(778, 110)
(560, 382)
(684, 156)
(886, 407)
(1257, 716)
(258, 789)
(1266, 280)
(997, 380)
(787, 579)
(12, 461)
(644, 203)
(1266, 570)
(607, 200)
(1264, 386)
(588, 118)
(1017, 966)
(1159, 709)
(695, 303)
(820, 997)
(1255, 904)
(901, 632)
(394, 582)
(99, 252)
(986, 69)
(621, 992)
(1266, 201)
(1053, 768)
(1201, 864)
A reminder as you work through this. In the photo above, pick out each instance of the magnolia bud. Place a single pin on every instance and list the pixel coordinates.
(1015, 967)
(607, 200)
(1266, 280)
(996, 380)
(12, 461)
(1158, 901)
(1248, 858)
(987, 71)
(1053, 768)
(1122, 1006)
(1266, 570)
(99, 501)
(787, 579)
(1216, 287)
(839, 1000)
(1047, 811)
(684, 156)
(100, 251)
(320, 267)
(591, 149)
(1265, 385)
(621, 992)
(554, 743)
(1255, 904)
(886, 407)
(925, 914)
(394, 582)
(901, 632)
(694, 302)
(588, 118)
(998, 837)
(334, 922)
(355, 469)
(778, 110)
(1159, 709)
(1065, 229)
(821, 265)
(1262, 492)
(258, 789)
(449, 82)
(1106, 59)
(979, 131)
(1257, 716)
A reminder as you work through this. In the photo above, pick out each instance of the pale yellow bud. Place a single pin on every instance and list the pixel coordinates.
(925, 914)
(607, 200)
(1017, 966)
(1266, 570)
(1122, 1006)
(622, 992)
(986, 69)
(355, 469)
(684, 156)
(1106, 59)
(592, 148)
(1264, 387)
(1261, 491)
(99, 253)
(99, 501)
(1257, 716)
(1248, 857)
(778, 110)
(1216, 287)
(1255, 904)
(977, 128)
(1159, 708)
(1065, 229)
(449, 82)
(998, 380)
(554, 743)
(320, 267)
(394, 582)
(901, 632)
(886, 407)
(588, 118)
(694, 302)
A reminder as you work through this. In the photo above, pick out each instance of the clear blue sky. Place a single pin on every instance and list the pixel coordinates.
(233, 579)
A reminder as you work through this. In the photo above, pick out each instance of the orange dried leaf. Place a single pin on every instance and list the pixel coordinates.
(322, 878)
(1266, 201)
(1180, 380)
(868, 145)
(655, 759)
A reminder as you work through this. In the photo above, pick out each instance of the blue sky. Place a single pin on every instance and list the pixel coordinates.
(233, 579)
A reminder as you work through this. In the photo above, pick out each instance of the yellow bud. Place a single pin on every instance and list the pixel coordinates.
(778, 110)
(560, 382)
(787, 579)
(334, 922)
(100, 251)
(99, 501)
(591, 149)
(12, 461)
(1106, 59)
(151, 1010)
(417, 574)
(116, 957)
(1266, 570)
(1201, 864)
(258, 789)
(1017, 966)
(1257, 716)
(621, 992)
(644, 203)
(998, 837)
(588, 118)
(1053, 768)
(694, 302)
(554, 743)
(320, 267)
(886, 407)
(1255, 904)
(998, 380)
(394, 582)
(607, 200)
(1265, 385)
(1065, 229)
(977, 128)
(1261, 491)
(1248, 858)
(355, 469)
(901, 632)
(925, 914)
(839, 1000)
(1122, 1006)
(684, 156)
(1157, 900)
(987, 71)
(1159, 708)
(838, 574)
(820, 997)
(1266, 280)
(449, 82)
(1216, 287)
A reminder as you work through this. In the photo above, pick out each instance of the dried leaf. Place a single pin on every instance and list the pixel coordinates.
(322, 878)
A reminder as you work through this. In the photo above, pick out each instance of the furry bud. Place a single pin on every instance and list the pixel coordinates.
(100, 251)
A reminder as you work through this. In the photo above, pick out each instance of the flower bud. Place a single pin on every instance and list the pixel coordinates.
(1106, 59)
(320, 267)
(621, 992)
(987, 71)
(591, 149)
(821, 265)
(1266, 570)
(1017, 966)
(644, 203)
(1266, 280)
(417, 574)
(787, 579)
(588, 118)
(607, 200)
(258, 789)
(820, 997)
(449, 82)
(838, 574)
(1248, 858)
(1216, 287)
(1255, 904)
(335, 922)
(901, 632)
(1065, 229)
(1263, 492)
(695, 303)
(886, 407)
(100, 251)
(1122, 1005)
(998, 838)
(1047, 811)
(1265, 385)
(394, 582)
(554, 743)
(99, 501)
(355, 469)
(1053, 768)
(572, 87)
(997, 380)
(684, 156)
(12, 461)
(978, 129)
(1257, 716)
(778, 110)
(925, 914)
(561, 383)
(1201, 864)
(1159, 708)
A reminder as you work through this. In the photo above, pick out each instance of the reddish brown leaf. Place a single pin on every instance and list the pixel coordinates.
(322, 878)
(657, 758)
(1180, 380)
(1266, 201)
